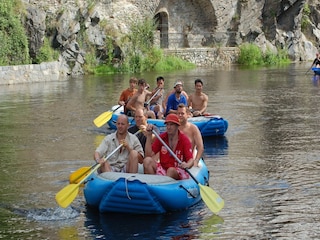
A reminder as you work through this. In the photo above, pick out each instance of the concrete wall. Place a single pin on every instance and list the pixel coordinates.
(207, 57)
(51, 71)
(48, 71)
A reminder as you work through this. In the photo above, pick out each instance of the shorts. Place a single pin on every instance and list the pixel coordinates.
(182, 173)
(123, 170)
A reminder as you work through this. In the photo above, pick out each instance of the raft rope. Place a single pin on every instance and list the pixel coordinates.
(126, 184)
(187, 191)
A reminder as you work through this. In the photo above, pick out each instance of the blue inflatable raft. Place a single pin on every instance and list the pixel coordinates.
(144, 193)
(316, 70)
(208, 125)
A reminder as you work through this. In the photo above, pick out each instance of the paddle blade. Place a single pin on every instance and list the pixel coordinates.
(213, 201)
(66, 195)
(102, 119)
(78, 175)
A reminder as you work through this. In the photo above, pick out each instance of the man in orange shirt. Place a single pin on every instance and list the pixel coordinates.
(128, 93)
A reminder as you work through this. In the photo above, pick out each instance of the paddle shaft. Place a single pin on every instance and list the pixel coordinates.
(174, 155)
(213, 201)
(152, 97)
(78, 174)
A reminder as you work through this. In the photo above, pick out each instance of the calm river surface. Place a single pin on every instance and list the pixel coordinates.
(267, 167)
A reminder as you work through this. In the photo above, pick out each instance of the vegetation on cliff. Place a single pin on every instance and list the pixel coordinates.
(14, 43)
(139, 53)
(251, 54)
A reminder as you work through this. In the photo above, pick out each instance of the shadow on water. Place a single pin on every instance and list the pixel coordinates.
(214, 146)
(175, 225)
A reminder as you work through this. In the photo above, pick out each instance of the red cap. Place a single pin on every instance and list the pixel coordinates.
(172, 118)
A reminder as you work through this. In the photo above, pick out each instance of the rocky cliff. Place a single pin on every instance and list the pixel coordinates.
(74, 25)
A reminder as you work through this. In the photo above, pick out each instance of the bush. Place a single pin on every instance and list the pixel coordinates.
(140, 55)
(14, 42)
(251, 54)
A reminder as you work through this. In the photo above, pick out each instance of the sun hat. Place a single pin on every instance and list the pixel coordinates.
(178, 83)
(172, 118)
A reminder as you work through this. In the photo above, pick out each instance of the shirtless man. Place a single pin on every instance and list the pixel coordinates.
(198, 101)
(138, 99)
(192, 131)
(156, 103)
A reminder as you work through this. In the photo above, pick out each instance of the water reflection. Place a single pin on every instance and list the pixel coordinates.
(215, 146)
(183, 225)
(266, 168)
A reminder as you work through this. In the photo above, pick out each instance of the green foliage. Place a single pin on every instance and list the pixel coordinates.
(104, 70)
(46, 53)
(139, 53)
(305, 22)
(170, 63)
(251, 55)
(14, 43)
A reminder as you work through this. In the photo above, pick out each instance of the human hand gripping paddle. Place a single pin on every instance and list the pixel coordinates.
(152, 97)
(79, 174)
(213, 201)
(66, 195)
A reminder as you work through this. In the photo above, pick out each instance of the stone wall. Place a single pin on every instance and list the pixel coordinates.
(207, 57)
(44, 72)
(51, 71)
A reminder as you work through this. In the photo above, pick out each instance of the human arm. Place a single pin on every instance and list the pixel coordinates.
(188, 160)
(149, 141)
(122, 100)
(131, 103)
(102, 149)
(198, 145)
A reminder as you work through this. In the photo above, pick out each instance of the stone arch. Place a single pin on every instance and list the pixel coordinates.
(162, 22)
(189, 23)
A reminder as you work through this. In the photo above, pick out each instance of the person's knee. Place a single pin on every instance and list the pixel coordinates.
(134, 156)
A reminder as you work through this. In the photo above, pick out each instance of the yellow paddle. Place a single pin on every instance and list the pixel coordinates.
(77, 176)
(104, 117)
(66, 195)
(80, 173)
(213, 201)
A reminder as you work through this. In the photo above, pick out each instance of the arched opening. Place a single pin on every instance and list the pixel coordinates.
(162, 23)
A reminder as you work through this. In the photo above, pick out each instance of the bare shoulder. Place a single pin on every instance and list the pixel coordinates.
(194, 128)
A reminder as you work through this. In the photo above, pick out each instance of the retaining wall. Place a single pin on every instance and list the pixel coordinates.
(51, 71)
(207, 57)
(44, 72)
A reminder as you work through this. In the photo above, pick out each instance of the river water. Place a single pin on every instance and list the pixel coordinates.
(266, 168)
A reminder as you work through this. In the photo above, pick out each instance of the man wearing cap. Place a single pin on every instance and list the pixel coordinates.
(176, 98)
(179, 144)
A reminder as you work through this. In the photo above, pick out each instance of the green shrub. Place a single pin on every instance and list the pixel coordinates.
(251, 55)
(46, 53)
(170, 63)
(14, 43)
(139, 53)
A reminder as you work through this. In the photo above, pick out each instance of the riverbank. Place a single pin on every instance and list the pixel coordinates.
(44, 72)
(52, 71)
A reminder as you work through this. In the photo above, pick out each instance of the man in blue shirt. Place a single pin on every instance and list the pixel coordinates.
(176, 98)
